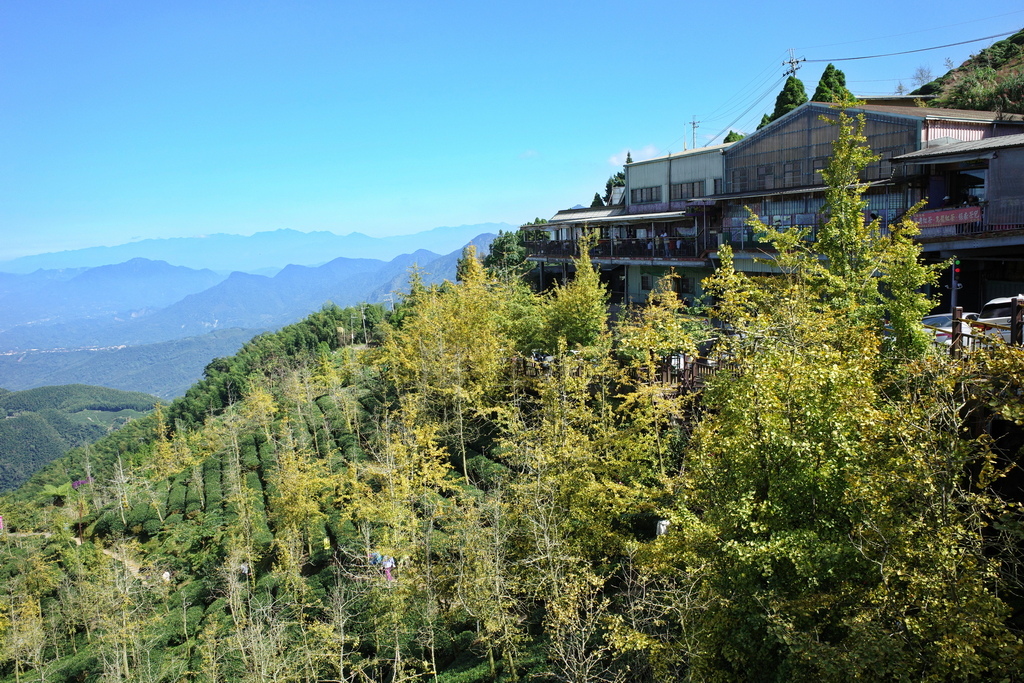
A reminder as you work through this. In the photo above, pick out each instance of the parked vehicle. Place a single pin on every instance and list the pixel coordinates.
(941, 325)
(994, 318)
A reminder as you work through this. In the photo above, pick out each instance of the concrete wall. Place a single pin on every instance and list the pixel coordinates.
(686, 167)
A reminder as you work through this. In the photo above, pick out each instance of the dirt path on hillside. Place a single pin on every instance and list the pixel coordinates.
(134, 567)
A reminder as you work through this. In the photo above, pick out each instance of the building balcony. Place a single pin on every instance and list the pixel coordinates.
(622, 250)
(989, 220)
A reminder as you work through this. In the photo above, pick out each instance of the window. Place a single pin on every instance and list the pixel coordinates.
(643, 195)
(739, 180)
(646, 282)
(718, 186)
(791, 170)
(687, 190)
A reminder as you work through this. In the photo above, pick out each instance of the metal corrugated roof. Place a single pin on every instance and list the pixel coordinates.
(984, 145)
(587, 214)
(918, 113)
(939, 113)
(689, 152)
(617, 218)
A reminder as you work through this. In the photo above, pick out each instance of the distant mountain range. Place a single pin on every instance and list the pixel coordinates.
(264, 250)
(146, 325)
(125, 289)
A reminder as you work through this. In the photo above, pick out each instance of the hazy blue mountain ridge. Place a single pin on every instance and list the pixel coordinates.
(62, 315)
(117, 291)
(273, 249)
(163, 351)
(256, 301)
(433, 272)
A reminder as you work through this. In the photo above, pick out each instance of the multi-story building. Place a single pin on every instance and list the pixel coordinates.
(974, 212)
(658, 224)
(677, 210)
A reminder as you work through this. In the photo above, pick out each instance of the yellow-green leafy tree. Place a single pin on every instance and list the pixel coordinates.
(826, 515)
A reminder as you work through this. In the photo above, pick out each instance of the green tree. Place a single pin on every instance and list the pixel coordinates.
(617, 180)
(832, 86)
(733, 136)
(792, 96)
(765, 120)
(506, 257)
(467, 261)
(577, 313)
(596, 202)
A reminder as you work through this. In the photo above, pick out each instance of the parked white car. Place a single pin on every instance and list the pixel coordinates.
(996, 312)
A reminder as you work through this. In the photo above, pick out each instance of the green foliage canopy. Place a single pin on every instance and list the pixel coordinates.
(832, 86)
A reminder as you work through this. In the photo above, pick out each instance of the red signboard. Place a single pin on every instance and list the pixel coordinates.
(964, 214)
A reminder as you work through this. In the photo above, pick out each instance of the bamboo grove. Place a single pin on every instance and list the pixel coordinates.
(841, 501)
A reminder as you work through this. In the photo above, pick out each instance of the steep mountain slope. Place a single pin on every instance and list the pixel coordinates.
(443, 506)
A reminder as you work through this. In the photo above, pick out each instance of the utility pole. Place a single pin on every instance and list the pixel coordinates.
(954, 282)
(694, 123)
(793, 63)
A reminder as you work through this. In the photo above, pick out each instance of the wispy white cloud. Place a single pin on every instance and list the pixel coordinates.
(646, 152)
(529, 154)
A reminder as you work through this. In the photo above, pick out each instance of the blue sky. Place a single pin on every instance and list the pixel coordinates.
(131, 120)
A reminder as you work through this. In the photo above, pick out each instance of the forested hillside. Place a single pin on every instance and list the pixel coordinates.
(42, 424)
(992, 80)
(490, 484)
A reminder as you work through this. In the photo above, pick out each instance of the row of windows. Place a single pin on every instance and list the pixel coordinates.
(642, 195)
(771, 176)
(686, 190)
(801, 172)
(698, 188)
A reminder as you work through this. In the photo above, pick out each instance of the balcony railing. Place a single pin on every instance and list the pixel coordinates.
(661, 248)
(994, 216)
(990, 219)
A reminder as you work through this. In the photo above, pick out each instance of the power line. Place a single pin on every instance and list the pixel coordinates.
(910, 33)
(747, 110)
(907, 52)
(755, 83)
(794, 64)
(726, 108)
